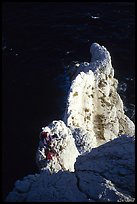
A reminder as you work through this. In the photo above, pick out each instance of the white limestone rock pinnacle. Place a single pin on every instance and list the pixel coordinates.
(93, 104)
(94, 113)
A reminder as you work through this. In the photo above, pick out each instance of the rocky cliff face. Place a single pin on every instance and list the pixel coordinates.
(106, 174)
(93, 106)
(90, 155)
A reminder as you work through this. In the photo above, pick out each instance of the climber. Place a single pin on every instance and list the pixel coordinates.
(46, 138)
(49, 154)
(44, 135)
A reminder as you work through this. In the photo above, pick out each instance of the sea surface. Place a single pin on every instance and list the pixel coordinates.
(39, 40)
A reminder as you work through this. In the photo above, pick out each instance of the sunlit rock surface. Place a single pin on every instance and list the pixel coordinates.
(94, 155)
(93, 104)
(64, 147)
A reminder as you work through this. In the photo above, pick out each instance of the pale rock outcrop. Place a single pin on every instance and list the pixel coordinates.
(93, 104)
(106, 174)
(92, 161)
(64, 147)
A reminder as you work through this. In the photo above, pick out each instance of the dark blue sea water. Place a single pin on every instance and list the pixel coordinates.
(39, 41)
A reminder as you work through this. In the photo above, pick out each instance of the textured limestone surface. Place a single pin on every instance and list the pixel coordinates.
(64, 147)
(106, 174)
(93, 104)
(112, 171)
